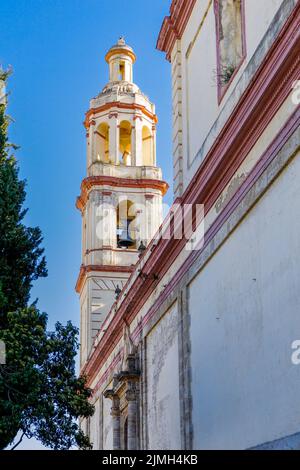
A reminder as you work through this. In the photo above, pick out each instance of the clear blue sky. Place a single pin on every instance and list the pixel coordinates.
(56, 49)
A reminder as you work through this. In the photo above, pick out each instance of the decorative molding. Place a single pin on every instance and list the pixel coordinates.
(117, 51)
(84, 270)
(192, 43)
(174, 25)
(116, 104)
(111, 248)
(92, 181)
(258, 105)
(108, 374)
(177, 144)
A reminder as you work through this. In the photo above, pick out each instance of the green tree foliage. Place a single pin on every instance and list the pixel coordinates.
(40, 395)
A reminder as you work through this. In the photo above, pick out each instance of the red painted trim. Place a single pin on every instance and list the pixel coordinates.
(91, 181)
(108, 371)
(265, 94)
(174, 25)
(111, 248)
(223, 89)
(257, 171)
(84, 270)
(271, 152)
(116, 104)
(120, 51)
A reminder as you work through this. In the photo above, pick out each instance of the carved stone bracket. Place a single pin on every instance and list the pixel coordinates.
(125, 390)
(125, 384)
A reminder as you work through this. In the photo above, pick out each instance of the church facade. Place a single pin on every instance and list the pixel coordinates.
(190, 325)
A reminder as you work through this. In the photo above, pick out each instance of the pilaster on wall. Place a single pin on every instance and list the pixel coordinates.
(177, 119)
(184, 352)
(143, 425)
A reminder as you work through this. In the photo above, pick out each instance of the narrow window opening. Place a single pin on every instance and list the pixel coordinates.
(122, 71)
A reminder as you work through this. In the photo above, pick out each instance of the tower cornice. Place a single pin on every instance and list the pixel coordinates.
(84, 270)
(119, 50)
(113, 181)
(117, 104)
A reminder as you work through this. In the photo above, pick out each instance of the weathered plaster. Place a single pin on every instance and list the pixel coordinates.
(163, 384)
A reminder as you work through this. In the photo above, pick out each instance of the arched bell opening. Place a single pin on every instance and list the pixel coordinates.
(147, 147)
(102, 143)
(126, 229)
(125, 143)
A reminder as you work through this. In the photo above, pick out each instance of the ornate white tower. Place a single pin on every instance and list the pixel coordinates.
(121, 197)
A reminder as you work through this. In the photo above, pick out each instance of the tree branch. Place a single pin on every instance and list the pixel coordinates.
(19, 441)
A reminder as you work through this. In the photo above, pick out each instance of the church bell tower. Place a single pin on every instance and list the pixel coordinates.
(121, 197)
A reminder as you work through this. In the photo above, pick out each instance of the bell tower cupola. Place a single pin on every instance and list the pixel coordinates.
(121, 195)
(121, 121)
(120, 59)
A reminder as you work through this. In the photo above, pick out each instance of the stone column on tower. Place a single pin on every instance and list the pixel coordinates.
(114, 138)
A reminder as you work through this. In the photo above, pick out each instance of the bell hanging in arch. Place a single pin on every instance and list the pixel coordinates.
(125, 240)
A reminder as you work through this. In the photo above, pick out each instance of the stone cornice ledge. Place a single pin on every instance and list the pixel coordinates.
(174, 25)
(84, 270)
(143, 183)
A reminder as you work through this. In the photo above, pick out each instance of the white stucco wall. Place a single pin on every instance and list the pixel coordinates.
(199, 96)
(163, 412)
(244, 310)
(258, 16)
